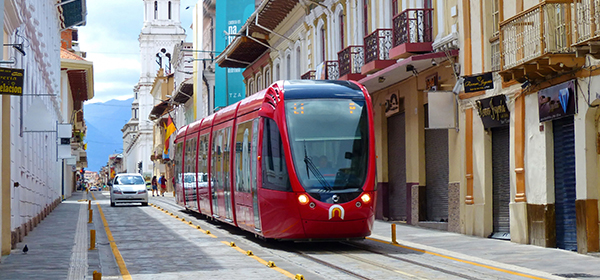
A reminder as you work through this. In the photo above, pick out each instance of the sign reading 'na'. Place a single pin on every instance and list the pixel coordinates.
(11, 81)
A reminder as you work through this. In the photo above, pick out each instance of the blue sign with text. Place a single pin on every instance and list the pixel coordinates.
(229, 82)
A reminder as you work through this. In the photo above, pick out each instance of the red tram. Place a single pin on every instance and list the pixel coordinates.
(295, 161)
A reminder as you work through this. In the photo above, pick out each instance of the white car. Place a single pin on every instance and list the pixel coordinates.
(128, 188)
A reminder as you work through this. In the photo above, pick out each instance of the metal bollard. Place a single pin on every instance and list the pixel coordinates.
(92, 239)
(394, 234)
(97, 275)
(89, 204)
(91, 212)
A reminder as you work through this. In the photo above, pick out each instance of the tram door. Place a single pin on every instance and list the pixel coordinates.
(397, 202)
(221, 193)
(564, 183)
(245, 175)
(254, 174)
(203, 195)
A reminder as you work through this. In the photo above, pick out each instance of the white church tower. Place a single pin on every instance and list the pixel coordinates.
(161, 32)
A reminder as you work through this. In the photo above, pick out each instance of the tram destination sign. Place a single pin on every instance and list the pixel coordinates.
(11, 81)
(557, 101)
(481, 82)
(493, 111)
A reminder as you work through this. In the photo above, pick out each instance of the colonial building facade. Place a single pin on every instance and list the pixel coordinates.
(56, 80)
(160, 33)
(485, 111)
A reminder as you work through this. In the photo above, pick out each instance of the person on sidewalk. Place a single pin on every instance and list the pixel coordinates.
(154, 186)
(163, 185)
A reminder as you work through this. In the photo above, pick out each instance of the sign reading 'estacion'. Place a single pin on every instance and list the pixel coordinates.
(11, 81)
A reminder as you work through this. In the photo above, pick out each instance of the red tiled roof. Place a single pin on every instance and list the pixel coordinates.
(64, 53)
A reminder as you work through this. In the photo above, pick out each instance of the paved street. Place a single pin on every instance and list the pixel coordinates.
(158, 242)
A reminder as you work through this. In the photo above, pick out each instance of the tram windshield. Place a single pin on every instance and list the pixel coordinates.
(329, 142)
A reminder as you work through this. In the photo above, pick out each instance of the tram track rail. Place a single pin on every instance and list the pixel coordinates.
(362, 260)
(390, 262)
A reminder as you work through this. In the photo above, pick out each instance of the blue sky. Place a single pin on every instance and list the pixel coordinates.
(110, 39)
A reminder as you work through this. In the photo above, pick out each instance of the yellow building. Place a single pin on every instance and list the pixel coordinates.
(485, 111)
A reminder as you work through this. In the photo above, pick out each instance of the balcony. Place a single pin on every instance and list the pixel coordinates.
(586, 29)
(351, 59)
(328, 70)
(377, 51)
(412, 33)
(310, 75)
(536, 43)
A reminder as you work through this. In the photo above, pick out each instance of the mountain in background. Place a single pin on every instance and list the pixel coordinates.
(104, 136)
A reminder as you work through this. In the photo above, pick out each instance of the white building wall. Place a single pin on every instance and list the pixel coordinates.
(33, 154)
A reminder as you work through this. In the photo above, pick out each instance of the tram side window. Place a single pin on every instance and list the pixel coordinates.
(177, 159)
(203, 160)
(275, 174)
(242, 157)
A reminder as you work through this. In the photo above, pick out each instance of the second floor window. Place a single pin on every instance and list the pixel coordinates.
(342, 31)
(155, 10)
(169, 9)
(323, 40)
(365, 17)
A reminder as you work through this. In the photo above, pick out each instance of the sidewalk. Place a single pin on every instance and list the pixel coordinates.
(58, 246)
(544, 262)
(58, 249)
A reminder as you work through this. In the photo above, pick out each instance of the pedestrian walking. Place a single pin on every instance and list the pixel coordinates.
(154, 186)
(163, 185)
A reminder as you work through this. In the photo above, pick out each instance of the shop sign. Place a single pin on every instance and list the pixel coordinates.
(392, 104)
(493, 111)
(557, 101)
(11, 81)
(481, 82)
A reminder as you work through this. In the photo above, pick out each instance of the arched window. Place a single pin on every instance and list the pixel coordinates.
(365, 17)
(169, 9)
(288, 66)
(267, 77)
(259, 85)
(323, 41)
(341, 25)
(155, 9)
(298, 63)
(277, 72)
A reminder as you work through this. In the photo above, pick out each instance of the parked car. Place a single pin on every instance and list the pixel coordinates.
(128, 188)
(94, 188)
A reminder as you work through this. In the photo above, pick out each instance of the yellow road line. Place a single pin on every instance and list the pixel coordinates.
(113, 245)
(459, 260)
(280, 270)
(192, 225)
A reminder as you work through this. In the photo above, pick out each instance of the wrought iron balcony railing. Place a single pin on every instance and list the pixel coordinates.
(413, 26)
(332, 70)
(378, 45)
(587, 21)
(495, 47)
(351, 59)
(540, 30)
(310, 75)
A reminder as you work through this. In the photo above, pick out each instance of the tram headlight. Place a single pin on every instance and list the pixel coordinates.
(303, 199)
(365, 198)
